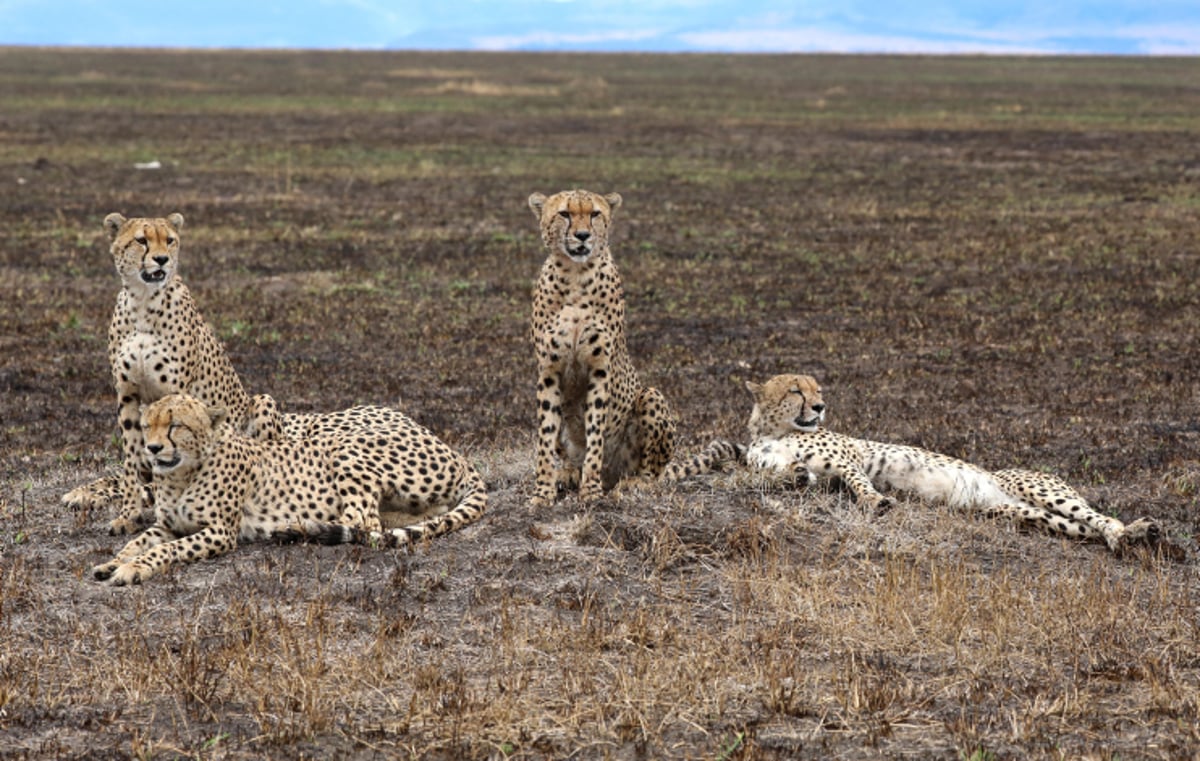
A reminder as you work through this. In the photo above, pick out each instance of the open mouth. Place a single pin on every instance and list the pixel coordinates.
(579, 253)
(154, 276)
(161, 464)
(807, 425)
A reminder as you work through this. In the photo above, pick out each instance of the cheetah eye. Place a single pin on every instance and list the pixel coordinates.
(140, 240)
(595, 214)
(565, 214)
(170, 240)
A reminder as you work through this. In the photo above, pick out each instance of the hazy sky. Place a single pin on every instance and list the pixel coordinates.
(1153, 27)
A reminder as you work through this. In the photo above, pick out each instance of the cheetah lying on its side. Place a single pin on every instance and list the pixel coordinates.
(593, 412)
(214, 487)
(787, 437)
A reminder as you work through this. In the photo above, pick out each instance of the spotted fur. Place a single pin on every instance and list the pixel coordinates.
(389, 483)
(787, 436)
(158, 344)
(711, 458)
(594, 415)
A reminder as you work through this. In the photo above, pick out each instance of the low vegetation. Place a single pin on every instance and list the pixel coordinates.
(990, 257)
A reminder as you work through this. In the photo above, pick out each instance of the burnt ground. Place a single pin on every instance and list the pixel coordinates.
(994, 258)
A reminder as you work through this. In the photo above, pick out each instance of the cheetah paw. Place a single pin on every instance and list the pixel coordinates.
(1142, 532)
(877, 504)
(120, 526)
(129, 573)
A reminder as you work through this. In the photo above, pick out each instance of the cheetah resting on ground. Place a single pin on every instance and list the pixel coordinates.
(787, 437)
(389, 483)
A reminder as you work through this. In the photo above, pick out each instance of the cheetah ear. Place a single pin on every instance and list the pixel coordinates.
(614, 200)
(113, 223)
(176, 220)
(754, 388)
(217, 415)
(536, 202)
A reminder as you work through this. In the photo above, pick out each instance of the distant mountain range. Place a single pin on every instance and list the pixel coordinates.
(1121, 27)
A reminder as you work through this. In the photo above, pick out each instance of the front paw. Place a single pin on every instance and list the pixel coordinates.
(877, 504)
(105, 571)
(126, 574)
(590, 492)
(121, 526)
(566, 478)
(86, 498)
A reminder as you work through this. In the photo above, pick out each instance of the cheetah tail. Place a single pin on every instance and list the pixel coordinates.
(709, 459)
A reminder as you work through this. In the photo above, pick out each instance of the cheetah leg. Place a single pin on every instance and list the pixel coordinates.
(1053, 495)
(135, 478)
(133, 510)
(595, 420)
(360, 510)
(206, 543)
(94, 495)
(151, 537)
(865, 493)
(656, 432)
(549, 397)
(472, 501)
(1038, 517)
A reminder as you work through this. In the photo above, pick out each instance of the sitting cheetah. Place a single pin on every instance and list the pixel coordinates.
(214, 486)
(158, 344)
(593, 413)
(787, 436)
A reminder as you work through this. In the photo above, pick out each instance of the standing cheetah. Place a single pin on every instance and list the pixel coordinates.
(593, 413)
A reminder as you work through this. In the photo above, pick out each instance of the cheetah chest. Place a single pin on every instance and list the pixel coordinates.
(143, 360)
(575, 336)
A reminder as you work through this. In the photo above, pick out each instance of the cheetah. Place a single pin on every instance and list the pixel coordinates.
(390, 483)
(787, 436)
(158, 344)
(593, 413)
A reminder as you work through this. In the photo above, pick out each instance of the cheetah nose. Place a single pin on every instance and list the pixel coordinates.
(583, 235)
(818, 408)
(161, 260)
(154, 448)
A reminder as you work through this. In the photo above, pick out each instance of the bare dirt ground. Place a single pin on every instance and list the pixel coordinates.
(993, 258)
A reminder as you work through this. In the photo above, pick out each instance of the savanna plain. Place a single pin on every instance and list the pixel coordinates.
(995, 258)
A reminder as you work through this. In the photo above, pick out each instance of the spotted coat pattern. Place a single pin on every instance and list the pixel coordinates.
(787, 436)
(594, 415)
(158, 344)
(389, 483)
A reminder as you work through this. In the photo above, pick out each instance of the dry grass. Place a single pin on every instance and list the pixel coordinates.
(993, 258)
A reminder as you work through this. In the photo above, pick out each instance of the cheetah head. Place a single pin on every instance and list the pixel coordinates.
(146, 251)
(176, 430)
(784, 404)
(574, 222)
